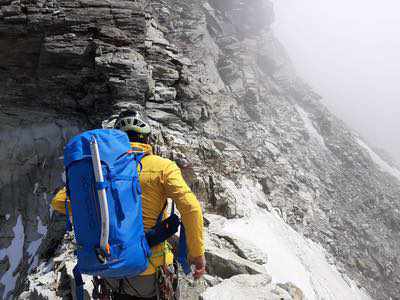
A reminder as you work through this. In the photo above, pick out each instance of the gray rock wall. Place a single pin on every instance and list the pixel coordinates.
(31, 147)
(224, 101)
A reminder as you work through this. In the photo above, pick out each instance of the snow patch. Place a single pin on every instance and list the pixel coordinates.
(35, 187)
(384, 166)
(42, 229)
(63, 177)
(14, 253)
(291, 257)
(42, 280)
(239, 195)
(51, 211)
(314, 134)
(34, 245)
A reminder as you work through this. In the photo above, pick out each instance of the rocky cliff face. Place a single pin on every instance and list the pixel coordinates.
(225, 104)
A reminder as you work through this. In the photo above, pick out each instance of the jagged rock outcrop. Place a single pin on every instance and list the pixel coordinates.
(225, 263)
(225, 103)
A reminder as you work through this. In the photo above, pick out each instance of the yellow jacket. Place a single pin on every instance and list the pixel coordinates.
(161, 179)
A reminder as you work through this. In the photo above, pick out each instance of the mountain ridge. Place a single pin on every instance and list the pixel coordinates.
(223, 98)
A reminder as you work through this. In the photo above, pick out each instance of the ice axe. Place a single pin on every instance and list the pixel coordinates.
(101, 192)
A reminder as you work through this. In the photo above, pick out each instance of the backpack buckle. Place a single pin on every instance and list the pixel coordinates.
(102, 255)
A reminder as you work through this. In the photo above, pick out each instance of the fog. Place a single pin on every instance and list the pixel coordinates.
(349, 52)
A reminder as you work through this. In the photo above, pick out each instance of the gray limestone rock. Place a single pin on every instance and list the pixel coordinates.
(215, 235)
(241, 287)
(225, 259)
(225, 102)
(293, 290)
(225, 264)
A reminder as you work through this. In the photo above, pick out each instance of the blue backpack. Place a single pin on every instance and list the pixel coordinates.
(126, 252)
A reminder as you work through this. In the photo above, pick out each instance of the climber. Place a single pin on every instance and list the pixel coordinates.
(160, 179)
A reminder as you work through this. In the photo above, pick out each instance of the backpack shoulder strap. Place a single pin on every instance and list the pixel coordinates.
(68, 224)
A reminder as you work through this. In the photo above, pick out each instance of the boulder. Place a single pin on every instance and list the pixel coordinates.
(225, 264)
(245, 287)
(294, 291)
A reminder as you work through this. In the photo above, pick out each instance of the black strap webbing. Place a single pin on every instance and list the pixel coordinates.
(160, 216)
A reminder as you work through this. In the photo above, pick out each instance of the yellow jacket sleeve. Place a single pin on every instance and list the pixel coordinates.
(189, 207)
(58, 202)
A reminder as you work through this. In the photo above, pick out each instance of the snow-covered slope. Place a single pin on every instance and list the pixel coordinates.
(291, 257)
(383, 165)
(34, 245)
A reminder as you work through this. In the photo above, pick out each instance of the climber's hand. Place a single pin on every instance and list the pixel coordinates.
(199, 266)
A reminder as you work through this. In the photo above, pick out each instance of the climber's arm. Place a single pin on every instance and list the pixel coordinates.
(189, 208)
(58, 202)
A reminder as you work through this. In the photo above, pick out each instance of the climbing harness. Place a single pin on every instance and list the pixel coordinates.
(166, 276)
(101, 290)
(167, 282)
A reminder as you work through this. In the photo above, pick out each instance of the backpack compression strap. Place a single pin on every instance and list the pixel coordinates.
(182, 251)
(182, 246)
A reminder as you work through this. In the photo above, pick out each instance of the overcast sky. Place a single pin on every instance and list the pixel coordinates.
(349, 51)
